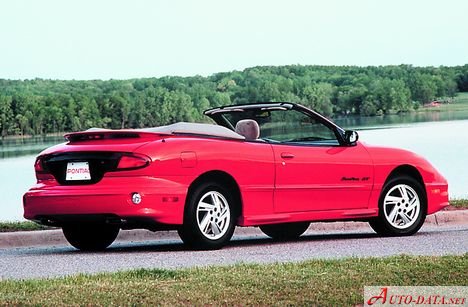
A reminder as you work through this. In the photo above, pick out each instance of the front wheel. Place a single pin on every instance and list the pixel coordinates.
(285, 231)
(402, 208)
(92, 237)
(209, 218)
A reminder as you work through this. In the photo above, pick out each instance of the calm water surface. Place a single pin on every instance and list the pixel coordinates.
(444, 144)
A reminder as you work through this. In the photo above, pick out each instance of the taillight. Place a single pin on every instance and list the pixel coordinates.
(38, 167)
(132, 161)
(41, 172)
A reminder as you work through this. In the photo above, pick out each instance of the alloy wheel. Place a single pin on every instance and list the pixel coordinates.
(401, 206)
(213, 215)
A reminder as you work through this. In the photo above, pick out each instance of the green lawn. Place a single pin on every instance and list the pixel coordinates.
(317, 282)
(462, 98)
(21, 226)
(460, 103)
(459, 203)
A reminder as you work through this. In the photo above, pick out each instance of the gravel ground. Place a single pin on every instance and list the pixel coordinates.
(53, 261)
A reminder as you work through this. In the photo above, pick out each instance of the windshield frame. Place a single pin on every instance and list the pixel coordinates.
(217, 115)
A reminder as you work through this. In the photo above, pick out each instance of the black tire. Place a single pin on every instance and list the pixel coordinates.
(383, 226)
(192, 234)
(90, 237)
(285, 231)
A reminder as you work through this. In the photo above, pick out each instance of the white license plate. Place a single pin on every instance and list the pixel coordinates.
(78, 171)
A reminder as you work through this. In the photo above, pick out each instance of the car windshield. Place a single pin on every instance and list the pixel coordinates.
(285, 126)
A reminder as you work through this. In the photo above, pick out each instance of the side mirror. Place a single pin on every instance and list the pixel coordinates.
(351, 137)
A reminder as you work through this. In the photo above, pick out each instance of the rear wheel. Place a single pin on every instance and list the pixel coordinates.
(286, 231)
(209, 218)
(402, 208)
(92, 237)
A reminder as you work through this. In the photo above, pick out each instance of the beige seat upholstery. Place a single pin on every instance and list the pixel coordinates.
(248, 128)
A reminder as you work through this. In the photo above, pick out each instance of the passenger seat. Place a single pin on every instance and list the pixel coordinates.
(248, 128)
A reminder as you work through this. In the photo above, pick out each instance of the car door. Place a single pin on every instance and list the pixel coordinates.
(310, 178)
(314, 170)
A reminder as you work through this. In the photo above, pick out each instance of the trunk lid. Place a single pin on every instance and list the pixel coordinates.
(104, 140)
(112, 136)
(96, 152)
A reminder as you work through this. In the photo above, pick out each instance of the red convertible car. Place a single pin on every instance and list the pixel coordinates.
(278, 166)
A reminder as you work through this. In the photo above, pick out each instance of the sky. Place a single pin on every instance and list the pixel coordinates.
(112, 39)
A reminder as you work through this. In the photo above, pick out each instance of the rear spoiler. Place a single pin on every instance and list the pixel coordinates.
(107, 134)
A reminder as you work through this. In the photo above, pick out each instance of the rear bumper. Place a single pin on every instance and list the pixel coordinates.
(437, 197)
(162, 200)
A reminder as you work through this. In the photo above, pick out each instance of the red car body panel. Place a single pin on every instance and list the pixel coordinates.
(278, 183)
(388, 159)
(178, 161)
(328, 189)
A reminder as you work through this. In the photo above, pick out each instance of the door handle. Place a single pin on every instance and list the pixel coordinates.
(287, 155)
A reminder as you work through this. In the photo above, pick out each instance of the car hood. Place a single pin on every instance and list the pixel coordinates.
(394, 157)
(387, 153)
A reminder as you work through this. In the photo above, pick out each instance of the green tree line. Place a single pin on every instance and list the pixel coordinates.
(38, 106)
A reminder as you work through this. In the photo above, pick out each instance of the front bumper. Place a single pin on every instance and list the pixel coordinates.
(162, 200)
(437, 197)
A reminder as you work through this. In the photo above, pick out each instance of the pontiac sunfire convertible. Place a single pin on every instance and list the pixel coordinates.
(278, 166)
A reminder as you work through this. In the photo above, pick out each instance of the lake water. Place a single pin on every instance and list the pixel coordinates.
(443, 143)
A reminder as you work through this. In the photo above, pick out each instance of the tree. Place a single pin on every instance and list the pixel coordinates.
(424, 89)
(23, 123)
(318, 97)
(369, 106)
(43, 106)
(462, 79)
(6, 115)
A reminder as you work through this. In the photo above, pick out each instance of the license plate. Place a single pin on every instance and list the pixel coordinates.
(78, 171)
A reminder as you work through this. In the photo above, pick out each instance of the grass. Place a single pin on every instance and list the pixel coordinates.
(459, 203)
(460, 103)
(21, 226)
(317, 282)
(461, 97)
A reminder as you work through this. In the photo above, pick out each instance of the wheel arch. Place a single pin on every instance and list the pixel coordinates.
(222, 178)
(410, 171)
(379, 223)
